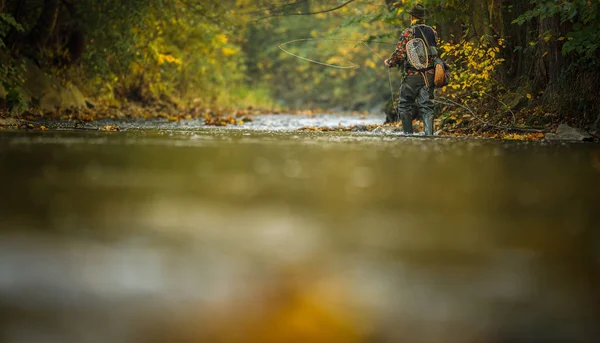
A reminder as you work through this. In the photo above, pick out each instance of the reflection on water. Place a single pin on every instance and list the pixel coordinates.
(235, 236)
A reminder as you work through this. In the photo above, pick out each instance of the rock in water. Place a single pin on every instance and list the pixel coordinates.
(565, 132)
(390, 111)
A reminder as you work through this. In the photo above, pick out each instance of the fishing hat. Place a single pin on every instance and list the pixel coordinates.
(419, 11)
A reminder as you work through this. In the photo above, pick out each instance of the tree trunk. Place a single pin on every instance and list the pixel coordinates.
(2, 4)
(45, 25)
(480, 19)
(496, 17)
(550, 61)
(520, 62)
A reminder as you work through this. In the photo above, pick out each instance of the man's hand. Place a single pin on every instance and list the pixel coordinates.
(387, 63)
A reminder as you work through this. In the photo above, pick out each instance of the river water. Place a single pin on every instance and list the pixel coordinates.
(262, 233)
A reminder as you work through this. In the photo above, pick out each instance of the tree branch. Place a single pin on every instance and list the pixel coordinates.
(308, 13)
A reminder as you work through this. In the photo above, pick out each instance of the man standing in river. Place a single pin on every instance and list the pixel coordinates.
(418, 84)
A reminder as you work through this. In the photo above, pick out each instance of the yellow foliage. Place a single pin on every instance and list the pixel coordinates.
(162, 59)
(222, 38)
(228, 51)
(473, 66)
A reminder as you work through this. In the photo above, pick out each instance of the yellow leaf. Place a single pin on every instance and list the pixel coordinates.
(229, 51)
(529, 96)
(167, 59)
(370, 64)
(222, 38)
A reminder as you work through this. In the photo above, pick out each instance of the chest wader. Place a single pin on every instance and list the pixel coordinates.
(414, 89)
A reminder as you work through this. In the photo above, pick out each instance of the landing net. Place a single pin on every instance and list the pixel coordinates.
(417, 53)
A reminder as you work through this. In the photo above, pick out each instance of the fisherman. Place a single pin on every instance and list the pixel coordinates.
(418, 84)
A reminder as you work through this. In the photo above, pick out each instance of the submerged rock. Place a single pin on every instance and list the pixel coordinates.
(565, 132)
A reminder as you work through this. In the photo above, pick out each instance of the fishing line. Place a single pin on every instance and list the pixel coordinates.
(351, 66)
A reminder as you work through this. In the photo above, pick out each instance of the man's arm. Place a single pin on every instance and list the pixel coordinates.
(399, 54)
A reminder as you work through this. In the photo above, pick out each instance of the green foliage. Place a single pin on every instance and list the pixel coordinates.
(12, 79)
(583, 37)
(7, 23)
(11, 71)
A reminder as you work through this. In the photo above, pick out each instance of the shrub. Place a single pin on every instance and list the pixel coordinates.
(474, 66)
(11, 71)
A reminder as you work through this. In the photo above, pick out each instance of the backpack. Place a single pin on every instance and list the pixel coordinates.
(441, 69)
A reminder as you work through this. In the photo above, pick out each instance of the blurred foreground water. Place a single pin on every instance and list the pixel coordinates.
(216, 235)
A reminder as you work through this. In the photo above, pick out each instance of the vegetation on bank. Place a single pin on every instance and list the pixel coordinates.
(517, 66)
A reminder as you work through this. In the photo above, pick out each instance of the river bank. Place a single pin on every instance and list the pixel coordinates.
(164, 117)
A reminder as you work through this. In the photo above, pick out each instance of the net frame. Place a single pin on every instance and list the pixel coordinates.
(417, 53)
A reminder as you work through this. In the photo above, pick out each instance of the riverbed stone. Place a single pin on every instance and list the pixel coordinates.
(48, 93)
(387, 129)
(11, 122)
(565, 132)
(360, 128)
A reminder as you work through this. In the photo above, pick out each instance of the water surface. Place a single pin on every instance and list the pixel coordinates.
(256, 234)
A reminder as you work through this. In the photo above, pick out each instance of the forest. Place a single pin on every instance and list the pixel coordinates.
(519, 64)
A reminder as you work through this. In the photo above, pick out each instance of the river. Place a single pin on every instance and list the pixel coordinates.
(173, 231)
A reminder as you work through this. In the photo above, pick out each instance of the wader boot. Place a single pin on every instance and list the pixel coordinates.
(414, 89)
